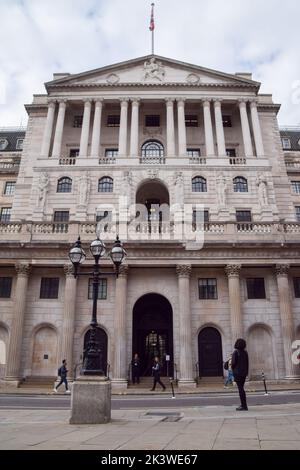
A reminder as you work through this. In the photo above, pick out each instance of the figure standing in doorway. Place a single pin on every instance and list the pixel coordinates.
(136, 369)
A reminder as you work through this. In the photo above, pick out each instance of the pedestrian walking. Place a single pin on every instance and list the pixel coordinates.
(229, 379)
(62, 373)
(136, 369)
(240, 367)
(156, 370)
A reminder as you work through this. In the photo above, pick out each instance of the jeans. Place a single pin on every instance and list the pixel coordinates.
(240, 381)
(229, 378)
(63, 380)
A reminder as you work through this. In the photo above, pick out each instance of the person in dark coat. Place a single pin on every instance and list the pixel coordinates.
(136, 369)
(62, 373)
(240, 367)
(156, 370)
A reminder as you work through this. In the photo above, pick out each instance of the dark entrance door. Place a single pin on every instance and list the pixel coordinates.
(153, 333)
(101, 337)
(210, 353)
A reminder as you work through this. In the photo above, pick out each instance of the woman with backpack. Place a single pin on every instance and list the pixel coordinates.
(229, 379)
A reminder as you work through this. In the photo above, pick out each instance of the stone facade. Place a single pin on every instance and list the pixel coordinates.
(159, 132)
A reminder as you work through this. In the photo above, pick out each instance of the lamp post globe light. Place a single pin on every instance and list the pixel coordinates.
(86, 405)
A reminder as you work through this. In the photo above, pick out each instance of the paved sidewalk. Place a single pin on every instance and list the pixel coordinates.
(218, 427)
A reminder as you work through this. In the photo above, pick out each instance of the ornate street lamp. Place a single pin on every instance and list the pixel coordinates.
(92, 363)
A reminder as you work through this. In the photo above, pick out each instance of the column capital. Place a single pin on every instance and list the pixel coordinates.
(124, 101)
(233, 270)
(206, 101)
(243, 101)
(51, 102)
(217, 101)
(123, 270)
(69, 270)
(23, 269)
(169, 101)
(253, 102)
(62, 102)
(135, 101)
(282, 270)
(180, 101)
(99, 101)
(184, 270)
(87, 101)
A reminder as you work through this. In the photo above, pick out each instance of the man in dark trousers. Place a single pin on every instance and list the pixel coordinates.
(62, 373)
(156, 368)
(240, 367)
(136, 369)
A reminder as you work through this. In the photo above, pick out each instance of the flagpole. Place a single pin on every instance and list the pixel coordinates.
(153, 42)
(152, 28)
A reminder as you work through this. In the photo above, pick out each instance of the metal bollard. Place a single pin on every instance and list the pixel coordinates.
(172, 387)
(264, 381)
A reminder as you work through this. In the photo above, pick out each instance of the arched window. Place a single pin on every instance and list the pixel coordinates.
(240, 185)
(64, 185)
(199, 185)
(152, 149)
(106, 185)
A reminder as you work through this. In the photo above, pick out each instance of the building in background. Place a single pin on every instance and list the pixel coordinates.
(153, 131)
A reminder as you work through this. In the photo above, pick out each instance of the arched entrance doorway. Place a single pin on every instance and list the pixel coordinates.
(101, 337)
(154, 197)
(153, 333)
(210, 353)
(44, 360)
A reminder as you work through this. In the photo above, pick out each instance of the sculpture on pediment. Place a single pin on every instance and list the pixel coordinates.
(221, 190)
(179, 188)
(262, 185)
(43, 186)
(154, 70)
(84, 189)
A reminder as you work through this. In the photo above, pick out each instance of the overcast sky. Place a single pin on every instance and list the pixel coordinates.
(39, 37)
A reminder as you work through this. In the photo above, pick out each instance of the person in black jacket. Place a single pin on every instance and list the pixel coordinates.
(62, 373)
(136, 369)
(156, 374)
(240, 367)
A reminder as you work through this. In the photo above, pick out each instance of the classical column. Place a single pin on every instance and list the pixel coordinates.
(59, 128)
(219, 128)
(185, 326)
(68, 326)
(96, 128)
(134, 134)
(120, 365)
(208, 130)
(170, 127)
(286, 315)
(245, 128)
(182, 151)
(85, 131)
(123, 127)
(48, 129)
(13, 372)
(260, 152)
(233, 273)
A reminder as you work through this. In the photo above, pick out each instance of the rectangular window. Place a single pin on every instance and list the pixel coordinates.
(5, 287)
(200, 217)
(5, 214)
(152, 121)
(256, 288)
(102, 289)
(227, 121)
(231, 152)
(297, 208)
(243, 216)
(10, 188)
(61, 216)
(193, 153)
(296, 187)
(49, 288)
(19, 145)
(191, 120)
(286, 143)
(208, 289)
(113, 120)
(77, 120)
(111, 154)
(297, 287)
(74, 153)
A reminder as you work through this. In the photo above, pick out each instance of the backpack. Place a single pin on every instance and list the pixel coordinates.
(226, 365)
(59, 372)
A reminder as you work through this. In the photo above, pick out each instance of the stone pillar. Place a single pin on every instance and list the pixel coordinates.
(170, 127)
(120, 366)
(68, 326)
(182, 151)
(59, 128)
(287, 322)
(245, 128)
(209, 138)
(84, 139)
(123, 127)
(233, 273)
(134, 134)
(185, 326)
(13, 372)
(260, 152)
(219, 128)
(96, 128)
(48, 130)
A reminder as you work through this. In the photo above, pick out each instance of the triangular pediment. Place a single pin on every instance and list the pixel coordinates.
(152, 70)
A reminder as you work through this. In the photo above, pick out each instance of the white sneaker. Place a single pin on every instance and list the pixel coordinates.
(67, 391)
(54, 390)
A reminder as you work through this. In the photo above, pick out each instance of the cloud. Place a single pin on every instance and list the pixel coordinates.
(39, 37)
